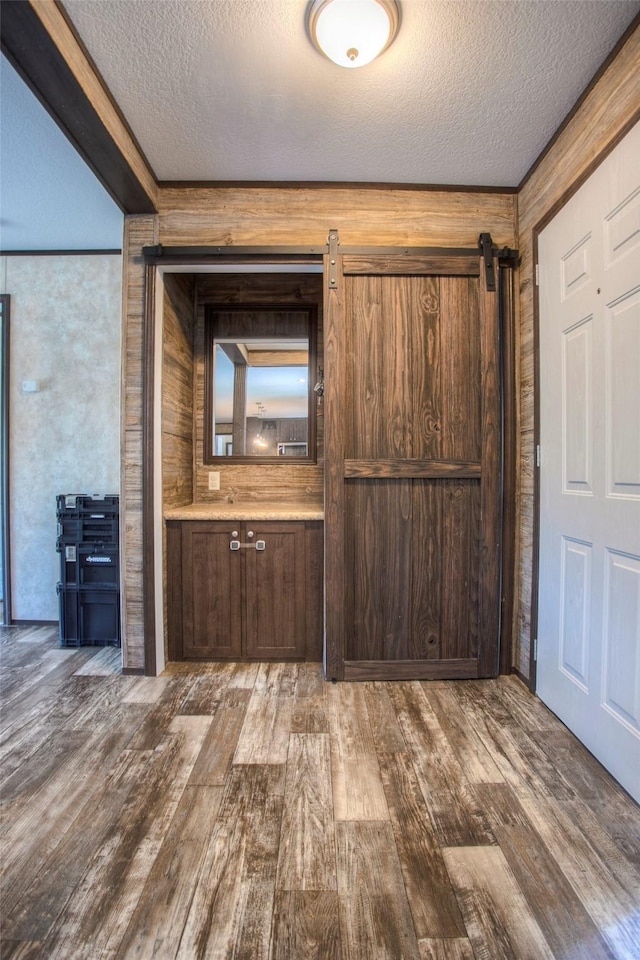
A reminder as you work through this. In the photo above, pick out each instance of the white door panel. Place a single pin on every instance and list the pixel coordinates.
(588, 669)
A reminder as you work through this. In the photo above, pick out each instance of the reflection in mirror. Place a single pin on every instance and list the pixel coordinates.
(260, 373)
(261, 397)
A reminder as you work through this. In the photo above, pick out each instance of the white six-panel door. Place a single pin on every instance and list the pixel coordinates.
(588, 668)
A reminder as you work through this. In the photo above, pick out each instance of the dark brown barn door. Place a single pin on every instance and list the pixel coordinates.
(413, 455)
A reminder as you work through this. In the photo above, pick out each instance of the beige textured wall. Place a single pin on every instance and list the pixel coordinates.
(65, 333)
(607, 112)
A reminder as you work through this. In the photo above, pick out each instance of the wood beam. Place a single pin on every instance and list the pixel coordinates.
(40, 42)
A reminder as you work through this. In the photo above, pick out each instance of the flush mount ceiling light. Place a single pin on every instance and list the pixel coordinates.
(353, 32)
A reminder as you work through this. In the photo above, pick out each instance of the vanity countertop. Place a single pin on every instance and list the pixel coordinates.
(243, 510)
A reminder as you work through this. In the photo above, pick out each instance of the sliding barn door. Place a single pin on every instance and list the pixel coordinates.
(413, 456)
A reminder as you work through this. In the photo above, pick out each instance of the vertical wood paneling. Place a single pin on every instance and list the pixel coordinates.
(138, 232)
(177, 389)
(421, 556)
(460, 371)
(446, 535)
(378, 557)
(377, 385)
(427, 584)
(426, 373)
(459, 549)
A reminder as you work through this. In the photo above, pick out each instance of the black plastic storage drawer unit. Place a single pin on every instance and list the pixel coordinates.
(86, 519)
(90, 565)
(89, 617)
(89, 588)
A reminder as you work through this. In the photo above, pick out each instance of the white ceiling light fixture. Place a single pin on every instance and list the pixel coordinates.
(352, 33)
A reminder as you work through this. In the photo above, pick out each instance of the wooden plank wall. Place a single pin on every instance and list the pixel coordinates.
(139, 231)
(302, 483)
(263, 215)
(177, 389)
(178, 316)
(276, 215)
(606, 113)
(303, 215)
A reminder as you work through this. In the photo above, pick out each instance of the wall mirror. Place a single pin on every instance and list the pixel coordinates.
(260, 373)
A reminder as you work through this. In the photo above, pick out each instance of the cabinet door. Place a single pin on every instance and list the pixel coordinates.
(211, 592)
(275, 591)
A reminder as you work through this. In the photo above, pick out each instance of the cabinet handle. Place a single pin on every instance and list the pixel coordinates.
(258, 545)
(250, 534)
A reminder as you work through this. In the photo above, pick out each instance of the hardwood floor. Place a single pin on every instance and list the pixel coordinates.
(255, 812)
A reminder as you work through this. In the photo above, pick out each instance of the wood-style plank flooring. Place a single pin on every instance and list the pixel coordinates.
(255, 812)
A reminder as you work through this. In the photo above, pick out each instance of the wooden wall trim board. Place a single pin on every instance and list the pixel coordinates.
(60, 253)
(331, 184)
(149, 479)
(238, 216)
(138, 232)
(411, 670)
(507, 280)
(40, 42)
(176, 428)
(334, 347)
(491, 458)
(604, 116)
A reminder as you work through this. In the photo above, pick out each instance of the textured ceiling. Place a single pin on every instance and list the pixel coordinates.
(469, 93)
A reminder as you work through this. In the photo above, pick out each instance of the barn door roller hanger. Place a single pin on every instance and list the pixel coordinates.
(159, 254)
(488, 250)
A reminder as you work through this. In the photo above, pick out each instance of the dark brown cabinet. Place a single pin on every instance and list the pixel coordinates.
(244, 590)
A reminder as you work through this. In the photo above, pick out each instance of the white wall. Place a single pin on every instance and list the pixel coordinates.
(65, 333)
(51, 200)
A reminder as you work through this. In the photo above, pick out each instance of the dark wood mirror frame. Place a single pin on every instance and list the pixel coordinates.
(261, 321)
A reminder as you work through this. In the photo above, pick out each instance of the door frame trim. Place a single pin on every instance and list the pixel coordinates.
(155, 258)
